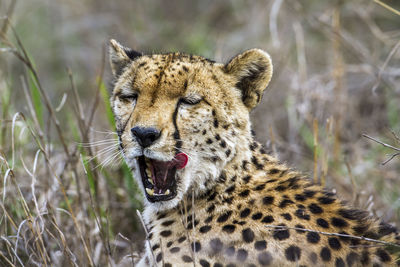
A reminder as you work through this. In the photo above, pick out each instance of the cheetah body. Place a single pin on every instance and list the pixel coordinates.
(234, 204)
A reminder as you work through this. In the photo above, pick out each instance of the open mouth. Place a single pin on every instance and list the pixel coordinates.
(158, 177)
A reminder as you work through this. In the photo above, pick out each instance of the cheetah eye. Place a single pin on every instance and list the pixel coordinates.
(190, 100)
(128, 97)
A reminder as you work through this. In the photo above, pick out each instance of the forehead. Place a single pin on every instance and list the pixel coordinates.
(170, 74)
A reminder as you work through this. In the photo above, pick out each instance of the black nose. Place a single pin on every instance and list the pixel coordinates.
(145, 135)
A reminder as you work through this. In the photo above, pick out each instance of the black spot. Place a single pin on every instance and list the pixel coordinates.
(230, 251)
(334, 243)
(284, 203)
(212, 196)
(246, 178)
(150, 235)
(253, 146)
(244, 193)
(281, 234)
(241, 255)
(167, 264)
(260, 245)
(217, 264)
(361, 229)
(244, 164)
(267, 219)
(280, 188)
(209, 141)
(300, 227)
(293, 253)
(352, 258)
(181, 239)
(216, 123)
(287, 216)
(159, 257)
(386, 229)
(174, 250)
(204, 132)
(313, 237)
(228, 152)
(185, 68)
(161, 216)
(301, 213)
(229, 228)
(339, 262)
(211, 208)
(259, 187)
(204, 263)
(321, 222)
(256, 216)
(204, 229)
(166, 233)
(383, 255)
(224, 217)
(244, 213)
(187, 258)
(208, 219)
(248, 235)
(314, 208)
(168, 223)
(222, 177)
(190, 224)
(365, 258)
(230, 189)
(216, 245)
(273, 171)
(169, 244)
(259, 166)
(264, 258)
(268, 200)
(338, 222)
(196, 246)
(326, 200)
(300, 197)
(325, 254)
(228, 200)
(353, 214)
(223, 144)
(156, 246)
(309, 193)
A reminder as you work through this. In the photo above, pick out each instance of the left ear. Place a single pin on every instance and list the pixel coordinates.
(252, 71)
(120, 57)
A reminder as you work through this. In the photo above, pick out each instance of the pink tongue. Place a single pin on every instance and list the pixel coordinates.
(181, 160)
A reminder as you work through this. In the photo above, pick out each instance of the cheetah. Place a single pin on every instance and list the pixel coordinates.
(213, 196)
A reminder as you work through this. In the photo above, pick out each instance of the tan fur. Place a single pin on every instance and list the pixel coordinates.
(231, 194)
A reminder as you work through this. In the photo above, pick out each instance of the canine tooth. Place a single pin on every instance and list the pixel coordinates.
(167, 192)
(148, 172)
(150, 191)
(150, 181)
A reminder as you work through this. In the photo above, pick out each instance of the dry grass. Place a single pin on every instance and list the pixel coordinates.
(67, 199)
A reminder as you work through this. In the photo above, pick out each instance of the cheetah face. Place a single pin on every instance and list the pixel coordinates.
(181, 118)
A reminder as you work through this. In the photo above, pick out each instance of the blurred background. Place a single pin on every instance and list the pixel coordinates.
(66, 197)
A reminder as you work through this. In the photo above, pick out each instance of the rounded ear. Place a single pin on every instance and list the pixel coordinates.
(120, 57)
(252, 71)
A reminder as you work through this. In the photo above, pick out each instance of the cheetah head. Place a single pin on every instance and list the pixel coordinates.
(181, 118)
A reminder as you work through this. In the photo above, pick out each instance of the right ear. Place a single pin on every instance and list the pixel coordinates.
(120, 57)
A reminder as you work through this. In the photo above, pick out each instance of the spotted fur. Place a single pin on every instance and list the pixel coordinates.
(236, 205)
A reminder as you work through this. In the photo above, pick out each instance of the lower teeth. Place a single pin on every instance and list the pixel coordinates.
(151, 192)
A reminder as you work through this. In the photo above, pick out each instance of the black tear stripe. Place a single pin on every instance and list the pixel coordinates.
(176, 133)
(121, 130)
